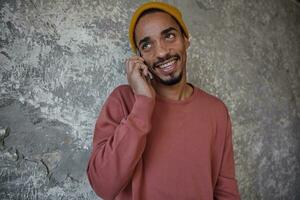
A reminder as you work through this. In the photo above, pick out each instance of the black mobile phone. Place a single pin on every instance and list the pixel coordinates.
(150, 76)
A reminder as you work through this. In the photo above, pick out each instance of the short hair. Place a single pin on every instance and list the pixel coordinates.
(155, 10)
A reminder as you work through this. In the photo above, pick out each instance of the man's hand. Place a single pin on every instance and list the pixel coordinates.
(137, 76)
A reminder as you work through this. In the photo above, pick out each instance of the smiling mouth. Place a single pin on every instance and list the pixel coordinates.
(167, 64)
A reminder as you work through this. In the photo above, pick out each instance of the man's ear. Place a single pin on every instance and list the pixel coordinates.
(186, 42)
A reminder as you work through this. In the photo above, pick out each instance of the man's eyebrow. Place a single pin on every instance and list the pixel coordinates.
(168, 30)
(145, 39)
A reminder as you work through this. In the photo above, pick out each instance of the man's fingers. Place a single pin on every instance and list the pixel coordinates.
(134, 59)
(134, 64)
(131, 64)
(144, 69)
(127, 66)
(137, 58)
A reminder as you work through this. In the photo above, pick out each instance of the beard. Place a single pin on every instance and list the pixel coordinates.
(171, 81)
(174, 79)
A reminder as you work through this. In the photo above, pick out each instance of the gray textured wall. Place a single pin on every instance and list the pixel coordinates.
(60, 59)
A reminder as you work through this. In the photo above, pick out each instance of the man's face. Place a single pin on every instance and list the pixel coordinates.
(163, 47)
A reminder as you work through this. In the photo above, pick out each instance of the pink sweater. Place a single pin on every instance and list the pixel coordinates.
(162, 149)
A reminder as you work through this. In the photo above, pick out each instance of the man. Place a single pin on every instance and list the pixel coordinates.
(161, 138)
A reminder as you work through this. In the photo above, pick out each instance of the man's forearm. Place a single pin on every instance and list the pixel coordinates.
(118, 147)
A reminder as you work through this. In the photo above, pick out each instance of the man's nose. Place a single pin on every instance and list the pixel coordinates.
(161, 49)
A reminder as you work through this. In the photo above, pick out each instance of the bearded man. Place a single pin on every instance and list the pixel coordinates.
(160, 137)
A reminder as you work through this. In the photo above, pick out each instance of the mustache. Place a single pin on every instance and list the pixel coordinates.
(162, 60)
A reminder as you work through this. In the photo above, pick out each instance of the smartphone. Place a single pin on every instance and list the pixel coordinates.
(149, 76)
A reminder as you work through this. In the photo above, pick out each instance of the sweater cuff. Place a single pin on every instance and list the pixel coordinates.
(142, 111)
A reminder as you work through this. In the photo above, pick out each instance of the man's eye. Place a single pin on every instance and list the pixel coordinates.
(170, 36)
(146, 46)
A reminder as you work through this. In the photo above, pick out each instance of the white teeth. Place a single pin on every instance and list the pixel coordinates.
(168, 64)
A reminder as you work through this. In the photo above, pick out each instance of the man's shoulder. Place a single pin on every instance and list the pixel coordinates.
(124, 89)
(122, 93)
(210, 101)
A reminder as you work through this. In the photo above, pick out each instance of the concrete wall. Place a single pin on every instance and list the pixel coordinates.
(60, 59)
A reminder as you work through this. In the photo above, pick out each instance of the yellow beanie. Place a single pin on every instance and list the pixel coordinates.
(173, 11)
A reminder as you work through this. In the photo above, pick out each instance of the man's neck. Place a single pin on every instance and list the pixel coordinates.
(180, 91)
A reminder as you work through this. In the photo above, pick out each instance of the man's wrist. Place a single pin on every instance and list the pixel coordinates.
(142, 110)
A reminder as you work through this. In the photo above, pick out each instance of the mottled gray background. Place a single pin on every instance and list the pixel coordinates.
(60, 59)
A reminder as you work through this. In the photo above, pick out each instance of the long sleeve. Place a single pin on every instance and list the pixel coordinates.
(118, 144)
(226, 187)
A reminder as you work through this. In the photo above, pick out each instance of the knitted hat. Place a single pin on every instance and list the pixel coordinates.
(173, 11)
